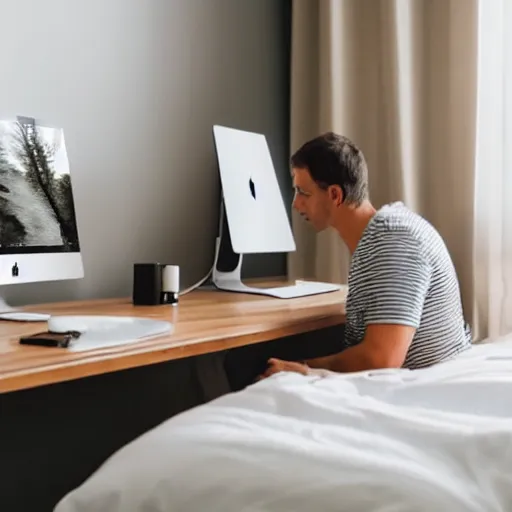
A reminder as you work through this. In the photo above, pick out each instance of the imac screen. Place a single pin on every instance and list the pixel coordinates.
(37, 212)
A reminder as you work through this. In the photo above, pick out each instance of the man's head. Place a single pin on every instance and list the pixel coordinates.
(329, 173)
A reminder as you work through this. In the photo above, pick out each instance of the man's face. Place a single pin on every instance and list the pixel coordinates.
(314, 203)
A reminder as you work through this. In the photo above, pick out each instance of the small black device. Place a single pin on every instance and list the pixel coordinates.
(147, 284)
(50, 339)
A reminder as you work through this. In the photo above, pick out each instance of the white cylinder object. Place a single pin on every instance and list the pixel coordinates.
(171, 278)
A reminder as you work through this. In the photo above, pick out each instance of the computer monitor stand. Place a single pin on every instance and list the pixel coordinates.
(227, 271)
(227, 268)
(8, 312)
(4, 306)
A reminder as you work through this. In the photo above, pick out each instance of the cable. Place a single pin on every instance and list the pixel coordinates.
(216, 256)
(196, 285)
(205, 278)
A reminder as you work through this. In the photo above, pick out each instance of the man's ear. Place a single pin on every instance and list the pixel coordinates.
(336, 194)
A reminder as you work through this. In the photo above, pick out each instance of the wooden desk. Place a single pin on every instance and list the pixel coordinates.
(205, 321)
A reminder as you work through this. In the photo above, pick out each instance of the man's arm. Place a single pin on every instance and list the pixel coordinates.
(398, 278)
(384, 346)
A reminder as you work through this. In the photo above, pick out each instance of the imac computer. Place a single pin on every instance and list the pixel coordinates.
(38, 230)
(253, 216)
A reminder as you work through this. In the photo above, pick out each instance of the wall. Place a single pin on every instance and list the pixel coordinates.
(137, 86)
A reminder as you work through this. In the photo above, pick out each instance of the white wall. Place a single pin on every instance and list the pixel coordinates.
(137, 86)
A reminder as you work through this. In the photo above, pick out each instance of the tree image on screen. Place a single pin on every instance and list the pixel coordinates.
(36, 201)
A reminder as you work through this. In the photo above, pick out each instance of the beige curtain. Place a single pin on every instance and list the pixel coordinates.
(418, 85)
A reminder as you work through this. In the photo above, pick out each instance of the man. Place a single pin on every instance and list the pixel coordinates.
(403, 305)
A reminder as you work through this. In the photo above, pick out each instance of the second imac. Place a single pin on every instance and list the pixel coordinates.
(253, 216)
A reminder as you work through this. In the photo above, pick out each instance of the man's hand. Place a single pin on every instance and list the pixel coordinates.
(278, 365)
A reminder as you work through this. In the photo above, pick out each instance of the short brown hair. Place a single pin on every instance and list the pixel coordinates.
(333, 159)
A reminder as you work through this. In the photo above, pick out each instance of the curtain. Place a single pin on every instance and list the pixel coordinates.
(493, 172)
(424, 89)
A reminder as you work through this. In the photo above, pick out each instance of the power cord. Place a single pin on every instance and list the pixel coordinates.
(210, 272)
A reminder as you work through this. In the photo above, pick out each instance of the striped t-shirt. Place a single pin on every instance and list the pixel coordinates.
(401, 273)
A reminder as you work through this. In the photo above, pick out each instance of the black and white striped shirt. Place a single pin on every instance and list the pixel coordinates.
(401, 273)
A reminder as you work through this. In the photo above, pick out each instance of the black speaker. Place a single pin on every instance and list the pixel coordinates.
(147, 284)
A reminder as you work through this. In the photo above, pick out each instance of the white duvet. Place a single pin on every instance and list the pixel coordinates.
(436, 440)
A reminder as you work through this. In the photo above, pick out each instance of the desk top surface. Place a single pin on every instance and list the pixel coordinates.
(204, 321)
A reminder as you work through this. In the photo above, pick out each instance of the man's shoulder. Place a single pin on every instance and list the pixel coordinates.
(397, 221)
(396, 217)
(397, 231)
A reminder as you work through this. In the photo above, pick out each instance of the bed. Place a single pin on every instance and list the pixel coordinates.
(382, 441)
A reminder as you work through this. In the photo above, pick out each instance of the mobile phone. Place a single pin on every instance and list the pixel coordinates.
(49, 339)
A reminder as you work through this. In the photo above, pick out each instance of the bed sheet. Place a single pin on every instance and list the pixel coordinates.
(382, 441)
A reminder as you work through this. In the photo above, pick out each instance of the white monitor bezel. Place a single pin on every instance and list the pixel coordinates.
(40, 267)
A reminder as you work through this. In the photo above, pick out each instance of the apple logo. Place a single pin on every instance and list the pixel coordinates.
(252, 188)
(15, 270)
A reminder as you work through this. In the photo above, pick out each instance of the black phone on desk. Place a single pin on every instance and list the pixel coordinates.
(50, 339)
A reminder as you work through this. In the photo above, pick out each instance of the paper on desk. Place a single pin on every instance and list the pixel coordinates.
(115, 331)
